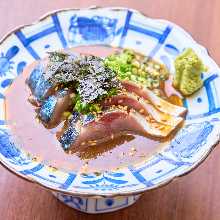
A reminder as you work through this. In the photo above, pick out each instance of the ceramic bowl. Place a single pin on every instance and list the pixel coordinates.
(117, 27)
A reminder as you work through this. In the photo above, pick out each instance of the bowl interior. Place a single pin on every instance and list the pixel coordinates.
(114, 27)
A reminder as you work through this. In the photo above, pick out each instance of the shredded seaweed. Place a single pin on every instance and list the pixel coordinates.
(89, 75)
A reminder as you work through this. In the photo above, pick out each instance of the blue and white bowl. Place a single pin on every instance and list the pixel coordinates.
(117, 27)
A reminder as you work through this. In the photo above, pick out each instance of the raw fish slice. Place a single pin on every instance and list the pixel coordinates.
(158, 102)
(144, 107)
(39, 87)
(53, 107)
(116, 122)
(71, 133)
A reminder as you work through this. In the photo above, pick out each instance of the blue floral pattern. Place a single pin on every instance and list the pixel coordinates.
(104, 181)
(191, 139)
(10, 151)
(171, 49)
(6, 64)
(97, 29)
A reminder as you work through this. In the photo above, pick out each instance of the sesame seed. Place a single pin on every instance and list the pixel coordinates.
(135, 63)
(134, 70)
(70, 116)
(35, 159)
(161, 127)
(150, 64)
(157, 66)
(142, 66)
(141, 110)
(157, 92)
(132, 110)
(72, 95)
(156, 125)
(69, 152)
(67, 114)
(84, 168)
(164, 120)
(97, 173)
(54, 169)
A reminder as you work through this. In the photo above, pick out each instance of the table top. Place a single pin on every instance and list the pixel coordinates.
(194, 196)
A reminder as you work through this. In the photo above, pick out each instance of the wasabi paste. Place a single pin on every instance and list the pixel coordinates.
(189, 68)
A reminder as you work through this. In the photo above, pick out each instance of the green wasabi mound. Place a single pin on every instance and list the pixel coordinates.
(189, 68)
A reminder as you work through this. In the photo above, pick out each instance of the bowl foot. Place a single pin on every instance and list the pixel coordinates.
(97, 205)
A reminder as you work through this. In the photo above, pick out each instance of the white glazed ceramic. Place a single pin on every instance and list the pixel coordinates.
(116, 27)
(94, 205)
